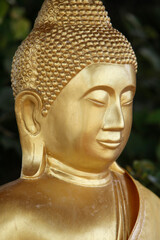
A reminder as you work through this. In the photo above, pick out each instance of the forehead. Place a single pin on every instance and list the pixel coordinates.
(115, 76)
(112, 75)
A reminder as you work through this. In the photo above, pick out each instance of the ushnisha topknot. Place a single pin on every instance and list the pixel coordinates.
(68, 35)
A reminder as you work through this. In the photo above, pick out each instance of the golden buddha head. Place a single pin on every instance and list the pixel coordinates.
(73, 79)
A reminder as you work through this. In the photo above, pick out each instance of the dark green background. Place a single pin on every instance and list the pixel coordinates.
(139, 20)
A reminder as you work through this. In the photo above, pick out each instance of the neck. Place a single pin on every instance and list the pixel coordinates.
(69, 174)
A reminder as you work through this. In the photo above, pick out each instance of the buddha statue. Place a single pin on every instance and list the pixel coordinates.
(74, 81)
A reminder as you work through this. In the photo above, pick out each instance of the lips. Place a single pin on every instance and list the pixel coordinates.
(109, 143)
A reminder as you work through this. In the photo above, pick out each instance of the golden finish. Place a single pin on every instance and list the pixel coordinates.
(71, 186)
(67, 37)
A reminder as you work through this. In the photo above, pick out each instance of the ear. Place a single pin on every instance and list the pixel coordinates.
(28, 108)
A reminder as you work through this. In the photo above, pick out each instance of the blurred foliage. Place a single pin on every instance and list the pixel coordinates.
(139, 20)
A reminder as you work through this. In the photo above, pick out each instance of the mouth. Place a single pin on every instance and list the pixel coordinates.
(109, 143)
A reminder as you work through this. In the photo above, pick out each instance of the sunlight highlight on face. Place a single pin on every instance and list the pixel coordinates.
(91, 119)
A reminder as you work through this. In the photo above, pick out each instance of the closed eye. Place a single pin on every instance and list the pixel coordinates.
(97, 102)
(127, 98)
(127, 103)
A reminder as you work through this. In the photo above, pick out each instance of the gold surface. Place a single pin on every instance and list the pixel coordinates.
(67, 37)
(71, 187)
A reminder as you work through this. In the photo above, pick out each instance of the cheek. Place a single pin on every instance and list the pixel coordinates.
(127, 114)
(92, 120)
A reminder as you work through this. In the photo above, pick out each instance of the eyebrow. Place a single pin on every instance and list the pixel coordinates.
(129, 88)
(102, 87)
(110, 90)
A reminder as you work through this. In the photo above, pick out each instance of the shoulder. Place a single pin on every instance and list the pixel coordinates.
(9, 210)
(148, 197)
(7, 193)
(147, 223)
(150, 203)
(148, 220)
(14, 192)
(13, 199)
(21, 195)
(21, 209)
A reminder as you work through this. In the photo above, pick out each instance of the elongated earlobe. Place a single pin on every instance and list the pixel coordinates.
(28, 108)
(33, 160)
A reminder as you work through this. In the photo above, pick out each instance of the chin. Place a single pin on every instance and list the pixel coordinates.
(106, 155)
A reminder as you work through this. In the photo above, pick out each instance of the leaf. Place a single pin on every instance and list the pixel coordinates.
(150, 55)
(135, 28)
(138, 145)
(158, 151)
(139, 119)
(151, 32)
(3, 9)
(154, 180)
(11, 1)
(10, 143)
(6, 99)
(154, 117)
(17, 12)
(20, 28)
(133, 20)
(144, 165)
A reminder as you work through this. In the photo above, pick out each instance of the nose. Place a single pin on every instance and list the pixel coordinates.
(113, 118)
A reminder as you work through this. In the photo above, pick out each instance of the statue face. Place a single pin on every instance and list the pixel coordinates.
(89, 124)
